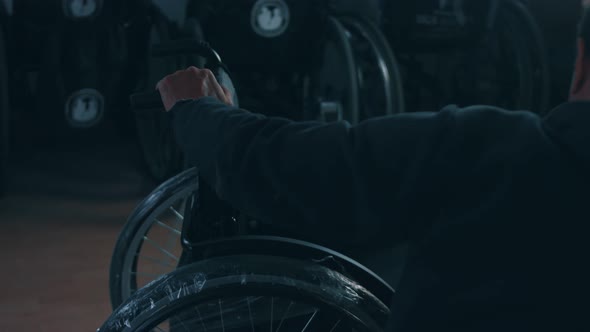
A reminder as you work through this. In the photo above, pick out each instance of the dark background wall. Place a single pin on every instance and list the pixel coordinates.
(558, 20)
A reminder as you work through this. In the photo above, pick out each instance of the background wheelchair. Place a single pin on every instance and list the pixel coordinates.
(346, 71)
(233, 274)
(484, 52)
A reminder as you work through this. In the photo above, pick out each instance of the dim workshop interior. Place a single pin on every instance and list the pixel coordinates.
(292, 165)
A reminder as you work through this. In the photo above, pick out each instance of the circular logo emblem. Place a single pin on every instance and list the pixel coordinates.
(84, 108)
(270, 18)
(81, 9)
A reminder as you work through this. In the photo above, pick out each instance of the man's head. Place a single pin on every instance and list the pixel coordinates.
(580, 89)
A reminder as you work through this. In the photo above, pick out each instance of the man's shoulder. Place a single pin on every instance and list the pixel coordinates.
(487, 120)
(490, 112)
(569, 126)
(564, 112)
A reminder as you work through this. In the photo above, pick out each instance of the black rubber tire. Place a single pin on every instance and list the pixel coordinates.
(4, 107)
(247, 275)
(178, 187)
(265, 245)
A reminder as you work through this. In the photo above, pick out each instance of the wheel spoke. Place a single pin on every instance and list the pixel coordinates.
(172, 229)
(164, 251)
(182, 323)
(172, 244)
(272, 306)
(221, 316)
(284, 316)
(333, 327)
(309, 321)
(201, 319)
(173, 236)
(250, 313)
(159, 329)
(177, 214)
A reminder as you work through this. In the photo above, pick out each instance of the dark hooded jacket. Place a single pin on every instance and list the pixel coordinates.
(494, 205)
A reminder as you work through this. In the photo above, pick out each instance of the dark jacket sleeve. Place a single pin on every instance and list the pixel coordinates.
(375, 181)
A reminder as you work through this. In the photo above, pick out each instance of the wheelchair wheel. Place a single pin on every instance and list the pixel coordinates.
(248, 293)
(149, 244)
(514, 66)
(496, 72)
(380, 80)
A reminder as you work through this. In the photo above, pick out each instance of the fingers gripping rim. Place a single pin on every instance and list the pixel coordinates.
(193, 30)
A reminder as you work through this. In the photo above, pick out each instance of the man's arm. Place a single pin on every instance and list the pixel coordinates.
(388, 173)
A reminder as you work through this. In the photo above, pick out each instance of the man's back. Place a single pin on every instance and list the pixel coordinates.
(492, 203)
(508, 245)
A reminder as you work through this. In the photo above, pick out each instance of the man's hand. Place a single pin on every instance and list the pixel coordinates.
(191, 83)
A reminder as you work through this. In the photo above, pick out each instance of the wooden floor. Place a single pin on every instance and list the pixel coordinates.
(59, 223)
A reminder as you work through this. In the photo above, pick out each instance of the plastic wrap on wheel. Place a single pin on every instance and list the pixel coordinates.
(240, 275)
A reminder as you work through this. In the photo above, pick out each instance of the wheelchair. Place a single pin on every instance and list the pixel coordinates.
(347, 71)
(223, 270)
(488, 52)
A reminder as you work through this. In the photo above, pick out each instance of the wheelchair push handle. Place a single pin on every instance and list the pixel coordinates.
(152, 101)
(186, 47)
